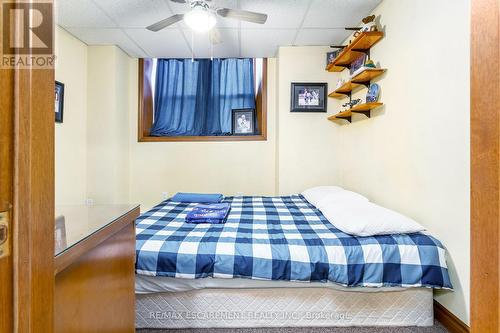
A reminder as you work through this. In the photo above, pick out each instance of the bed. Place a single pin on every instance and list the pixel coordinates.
(277, 261)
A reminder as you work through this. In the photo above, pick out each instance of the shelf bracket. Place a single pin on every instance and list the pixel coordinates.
(345, 118)
(366, 113)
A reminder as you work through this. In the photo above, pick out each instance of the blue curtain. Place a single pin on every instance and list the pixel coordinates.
(196, 98)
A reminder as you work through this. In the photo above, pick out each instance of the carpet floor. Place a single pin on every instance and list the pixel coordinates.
(437, 328)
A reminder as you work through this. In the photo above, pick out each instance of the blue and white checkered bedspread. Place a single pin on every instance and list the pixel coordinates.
(282, 238)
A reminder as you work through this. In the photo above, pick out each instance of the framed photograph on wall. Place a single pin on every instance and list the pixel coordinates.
(243, 122)
(59, 101)
(308, 97)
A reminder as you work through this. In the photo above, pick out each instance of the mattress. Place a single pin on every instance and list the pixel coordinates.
(282, 238)
(284, 307)
(157, 284)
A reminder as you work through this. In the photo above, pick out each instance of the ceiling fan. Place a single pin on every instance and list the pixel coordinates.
(202, 17)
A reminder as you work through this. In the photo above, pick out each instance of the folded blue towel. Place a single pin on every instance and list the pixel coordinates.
(197, 197)
(214, 213)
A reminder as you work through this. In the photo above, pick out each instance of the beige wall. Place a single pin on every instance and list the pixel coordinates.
(225, 167)
(71, 135)
(92, 152)
(107, 124)
(413, 154)
(306, 141)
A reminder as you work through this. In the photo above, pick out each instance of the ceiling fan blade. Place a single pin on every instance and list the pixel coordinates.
(165, 23)
(243, 15)
(214, 36)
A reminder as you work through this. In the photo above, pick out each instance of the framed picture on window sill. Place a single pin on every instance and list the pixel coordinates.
(243, 122)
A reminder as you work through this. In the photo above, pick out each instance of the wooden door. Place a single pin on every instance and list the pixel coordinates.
(485, 166)
(26, 190)
(27, 160)
(6, 195)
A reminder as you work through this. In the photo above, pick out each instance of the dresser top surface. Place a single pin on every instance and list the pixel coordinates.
(75, 223)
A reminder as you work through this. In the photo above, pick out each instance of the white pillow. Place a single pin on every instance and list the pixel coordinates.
(315, 194)
(368, 219)
(343, 196)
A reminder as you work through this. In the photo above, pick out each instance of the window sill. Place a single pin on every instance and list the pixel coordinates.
(260, 137)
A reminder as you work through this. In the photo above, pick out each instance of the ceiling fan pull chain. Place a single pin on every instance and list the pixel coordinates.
(211, 48)
(210, 41)
(192, 46)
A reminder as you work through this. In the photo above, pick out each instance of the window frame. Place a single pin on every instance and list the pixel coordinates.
(145, 119)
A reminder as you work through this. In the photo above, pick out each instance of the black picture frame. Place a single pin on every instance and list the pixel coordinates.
(315, 92)
(357, 63)
(330, 56)
(59, 101)
(238, 128)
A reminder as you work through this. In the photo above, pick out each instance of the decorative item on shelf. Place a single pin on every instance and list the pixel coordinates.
(330, 56)
(355, 70)
(357, 64)
(308, 97)
(243, 121)
(373, 93)
(59, 101)
(368, 25)
(370, 64)
(340, 82)
(351, 103)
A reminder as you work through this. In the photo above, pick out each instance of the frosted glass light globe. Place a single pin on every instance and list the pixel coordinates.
(200, 19)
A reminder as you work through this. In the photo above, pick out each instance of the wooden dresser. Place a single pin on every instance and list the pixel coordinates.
(94, 268)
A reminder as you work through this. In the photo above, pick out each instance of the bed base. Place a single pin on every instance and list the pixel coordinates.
(284, 307)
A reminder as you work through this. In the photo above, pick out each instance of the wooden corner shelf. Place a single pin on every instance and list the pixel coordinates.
(366, 107)
(344, 90)
(367, 75)
(344, 115)
(361, 108)
(362, 78)
(360, 45)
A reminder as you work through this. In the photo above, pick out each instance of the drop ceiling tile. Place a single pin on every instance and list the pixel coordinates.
(321, 36)
(135, 13)
(79, 13)
(107, 36)
(229, 46)
(258, 43)
(280, 13)
(338, 13)
(166, 43)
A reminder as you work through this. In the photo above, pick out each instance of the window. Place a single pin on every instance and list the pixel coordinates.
(187, 108)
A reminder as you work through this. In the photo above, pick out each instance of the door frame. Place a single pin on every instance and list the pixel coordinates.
(33, 205)
(485, 175)
(27, 274)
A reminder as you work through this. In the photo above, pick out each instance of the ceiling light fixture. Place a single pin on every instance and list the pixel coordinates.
(200, 19)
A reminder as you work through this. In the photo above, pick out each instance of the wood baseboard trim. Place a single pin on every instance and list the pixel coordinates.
(449, 320)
